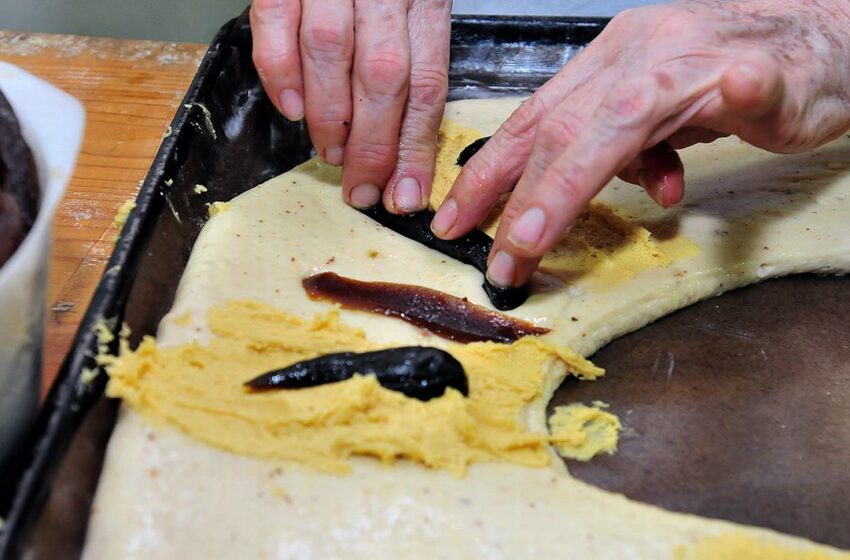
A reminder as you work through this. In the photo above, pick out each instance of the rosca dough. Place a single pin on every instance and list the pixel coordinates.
(747, 216)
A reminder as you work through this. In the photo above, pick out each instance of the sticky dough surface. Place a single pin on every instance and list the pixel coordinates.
(752, 215)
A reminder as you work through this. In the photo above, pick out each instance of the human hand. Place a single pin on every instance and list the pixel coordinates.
(774, 72)
(371, 77)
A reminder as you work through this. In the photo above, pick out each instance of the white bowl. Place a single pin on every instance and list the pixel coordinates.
(52, 124)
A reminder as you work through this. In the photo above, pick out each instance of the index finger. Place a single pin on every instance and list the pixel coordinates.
(576, 153)
(497, 167)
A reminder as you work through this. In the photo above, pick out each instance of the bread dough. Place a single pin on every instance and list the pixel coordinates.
(752, 215)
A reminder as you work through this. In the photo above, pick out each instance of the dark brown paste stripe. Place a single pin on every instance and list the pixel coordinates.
(440, 313)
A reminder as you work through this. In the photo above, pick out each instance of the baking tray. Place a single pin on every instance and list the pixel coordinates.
(47, 511)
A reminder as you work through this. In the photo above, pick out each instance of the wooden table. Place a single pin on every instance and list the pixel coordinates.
(130, 90)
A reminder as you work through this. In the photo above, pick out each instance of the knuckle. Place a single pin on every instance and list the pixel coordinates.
(385, 72)
(370, 156)
(522, 121)
(659, 20)
(473, 179)
(674, 22)
(418, 151)
(629, 105)
(559, 129)
(479, 186)
(428, 88)
(625, 19)
(272, 58)
(416, 155)
(630, 21)
(418, 139)
(330, 117)
(274, 11)
(328, 40)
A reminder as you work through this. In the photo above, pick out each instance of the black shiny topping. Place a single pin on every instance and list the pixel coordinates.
(471, 249)
(469, 151)
(417, 371)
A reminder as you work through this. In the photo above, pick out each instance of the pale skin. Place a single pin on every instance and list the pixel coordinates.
(776, 73)
(371, 101)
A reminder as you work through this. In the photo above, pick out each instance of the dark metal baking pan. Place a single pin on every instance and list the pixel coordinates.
(239, 143)
(47, 511)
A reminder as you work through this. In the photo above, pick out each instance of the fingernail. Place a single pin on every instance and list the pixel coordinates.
(527, 230)
(445, 218)
(292, 104)
(651, 183)
(502, 270)
(407, 195)
(365, 196)
(334, 155)
(751, 73)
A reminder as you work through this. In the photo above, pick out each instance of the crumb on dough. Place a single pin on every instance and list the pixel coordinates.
(123, 214)
(581, 432)
(217, 208)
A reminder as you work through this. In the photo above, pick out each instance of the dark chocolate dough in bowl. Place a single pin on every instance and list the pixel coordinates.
(737, 408)
(19, 192)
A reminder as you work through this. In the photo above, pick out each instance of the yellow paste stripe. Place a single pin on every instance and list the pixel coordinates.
(199, 389)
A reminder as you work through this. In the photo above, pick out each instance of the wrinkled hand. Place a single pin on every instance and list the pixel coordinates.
(774, 72)
(371, 78)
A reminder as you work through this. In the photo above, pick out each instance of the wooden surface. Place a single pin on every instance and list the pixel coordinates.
(130, 90)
